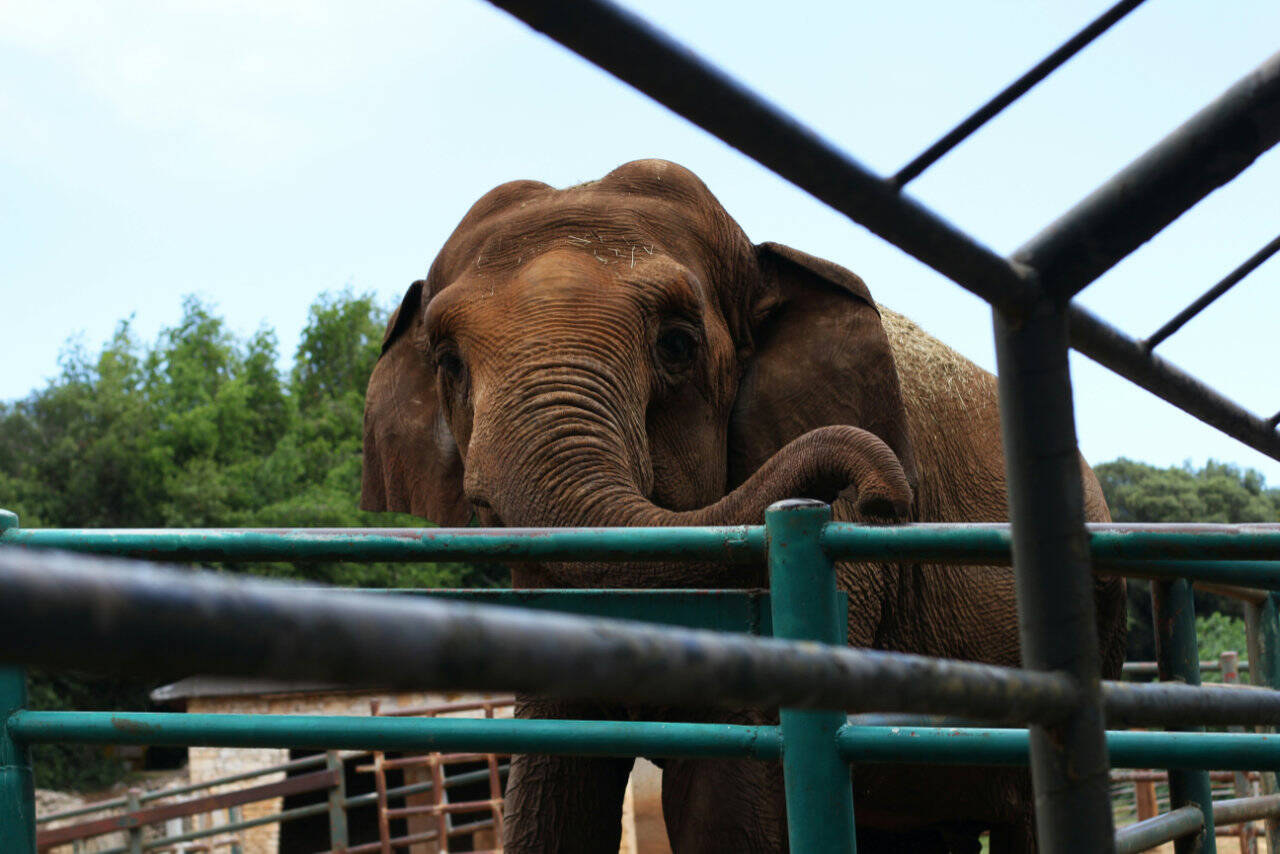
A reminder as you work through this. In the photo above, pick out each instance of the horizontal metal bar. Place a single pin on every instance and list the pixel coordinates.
(484, 735)
(1248, 580)
(1206, 299)
(740, 544)
(1148, 668)
(990, 543)
(1237, 810)
(235, 826)
(746, 611)
(638, 54)
(1013, 92)
(153, 815)
(90, 809)
(462, 779)
(158, 794)
(134, 617)
(1176, 704)
(983, 543)
(985, 746)
(1126, 356)
(1205, 152)
(1156, 831)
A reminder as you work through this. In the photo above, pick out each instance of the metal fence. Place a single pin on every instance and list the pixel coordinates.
(143, 619)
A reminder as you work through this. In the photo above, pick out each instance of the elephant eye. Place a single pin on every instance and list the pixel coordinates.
(677, 345)
(448, 362)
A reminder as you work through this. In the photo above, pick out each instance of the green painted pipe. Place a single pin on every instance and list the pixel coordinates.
(1219, 751)
(806, 607)
(741, 544)
(334, 732)
(17, 787)
(1228, 554)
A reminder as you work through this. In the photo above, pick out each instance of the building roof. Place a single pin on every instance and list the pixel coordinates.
(218, 686)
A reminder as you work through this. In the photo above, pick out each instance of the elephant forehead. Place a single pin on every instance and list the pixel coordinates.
(571, 276)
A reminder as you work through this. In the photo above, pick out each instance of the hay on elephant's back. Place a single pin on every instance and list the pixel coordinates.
(929, 371)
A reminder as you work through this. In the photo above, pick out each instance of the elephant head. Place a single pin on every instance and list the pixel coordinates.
(620, 354)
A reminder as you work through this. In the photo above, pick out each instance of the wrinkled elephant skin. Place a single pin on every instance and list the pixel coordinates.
(619, 353)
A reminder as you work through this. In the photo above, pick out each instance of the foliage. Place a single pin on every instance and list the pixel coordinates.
(1216, 634)
(202, 429)
(1218, 492)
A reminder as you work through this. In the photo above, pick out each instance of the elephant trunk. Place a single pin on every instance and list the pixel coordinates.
(573, 473)
(821, 464)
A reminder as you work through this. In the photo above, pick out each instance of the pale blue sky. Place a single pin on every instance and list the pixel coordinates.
(259, 153)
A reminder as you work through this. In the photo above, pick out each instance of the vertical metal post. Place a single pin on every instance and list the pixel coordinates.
(338, 840)
(234, 814)
(806, 606)
(1178, 659)
(1229, 662)
(1263, 631)
(17, 790)
(1056, 609)
(133, 803)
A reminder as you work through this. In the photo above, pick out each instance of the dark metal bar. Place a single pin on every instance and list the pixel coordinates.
(1174, 615)
(1117, 352)
(1053, 576)
(1204, 300)
(1184, 826)
(638, 54)
(120, 615)
(806, 607)
(630, 49)
(1207, 151)
(1013, 92)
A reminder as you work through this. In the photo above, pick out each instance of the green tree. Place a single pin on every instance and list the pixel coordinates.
(201, 429)
(1217, 492)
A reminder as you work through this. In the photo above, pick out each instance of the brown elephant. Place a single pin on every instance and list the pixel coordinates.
(619, 353)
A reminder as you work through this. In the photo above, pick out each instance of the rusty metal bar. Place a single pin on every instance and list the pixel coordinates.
(635, 52)
(1208, 150)
(1204, 300)
(121, 615)
(1054, 578)
(1175, 826)
(1013, 92)
(1116, 351)
(138, 818)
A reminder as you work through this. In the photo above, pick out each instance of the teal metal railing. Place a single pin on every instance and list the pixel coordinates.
(803, 607)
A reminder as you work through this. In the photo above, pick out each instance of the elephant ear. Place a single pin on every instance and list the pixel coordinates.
(411, 462)
(818, 355)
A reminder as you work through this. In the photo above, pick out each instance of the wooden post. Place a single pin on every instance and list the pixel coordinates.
(338, 840)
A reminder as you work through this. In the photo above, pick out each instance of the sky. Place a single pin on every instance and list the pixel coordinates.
(260, 153)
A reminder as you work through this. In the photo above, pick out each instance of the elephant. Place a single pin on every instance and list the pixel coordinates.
(619, 353)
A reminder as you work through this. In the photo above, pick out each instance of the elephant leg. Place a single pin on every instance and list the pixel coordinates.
(724, 805)
(564, 804)
(1017, 838)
